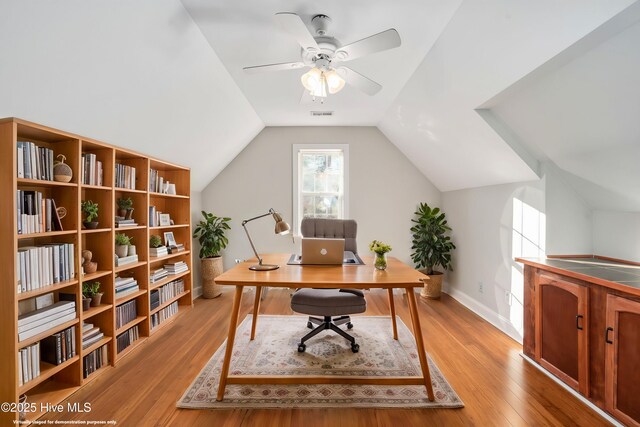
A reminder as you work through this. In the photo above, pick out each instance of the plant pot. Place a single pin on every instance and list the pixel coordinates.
(86, 303)
(122, 250)
(122, 212)
(211, 268)
(131, 250)
(432, 285)
(95, 300)
(90, 225)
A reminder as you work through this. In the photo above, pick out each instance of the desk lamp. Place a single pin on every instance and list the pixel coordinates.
(282, 228)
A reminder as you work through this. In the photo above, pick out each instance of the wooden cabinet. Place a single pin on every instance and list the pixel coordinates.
(622, 371)
(561, 330)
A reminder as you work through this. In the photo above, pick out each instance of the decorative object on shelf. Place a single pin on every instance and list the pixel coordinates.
(171, 188)
(86, 302)
(210, 232)
(90, 211)
(88, 265)
(165, 219)
(282, 228)
(61, 211)
(61, 171)
(22, 415)
(92, 290)
(131, 250)
(125, 207)
(122, 245)
(380, 249)
(155, 241)
(431, 248)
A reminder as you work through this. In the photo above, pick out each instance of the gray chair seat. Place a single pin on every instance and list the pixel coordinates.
(328, 302)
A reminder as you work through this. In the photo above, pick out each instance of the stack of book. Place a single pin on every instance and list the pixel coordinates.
(90, 334)
(125, 286)
(178, 247)
(159, 251)
(60, 347)
(34, 162)
(164, 314)
(37, 321)
(154, 297)
(122, 222)
(125, 176)
(91, 170)
(126, 313)
(158, 275)
(120, 261)
(170, 290)
(176, 267)
(39, 266)
(36, 213)
(94, 361)
(127, 338)
(28, 363)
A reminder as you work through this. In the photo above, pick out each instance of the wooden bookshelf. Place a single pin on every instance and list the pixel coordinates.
(56, 383)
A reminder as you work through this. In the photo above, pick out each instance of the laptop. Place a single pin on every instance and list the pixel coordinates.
(317, 251)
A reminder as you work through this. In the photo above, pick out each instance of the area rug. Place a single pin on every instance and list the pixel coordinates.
(275, 352)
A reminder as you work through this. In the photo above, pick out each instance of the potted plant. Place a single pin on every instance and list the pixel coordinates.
(122, 245)
(155, 241)
(91, 291)
(90, 211)
(210, 232)
(380, 249)
(125, 207)
(431, 247)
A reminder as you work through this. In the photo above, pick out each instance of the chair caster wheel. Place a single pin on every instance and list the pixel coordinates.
(355, 347)
(302, 347)
(309, 325)
(349, 325)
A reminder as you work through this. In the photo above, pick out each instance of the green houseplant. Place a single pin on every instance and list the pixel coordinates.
(380, 249)
(91, 291)
(155, 241)
(431, 247)
(90, 212)
(125, 207)
(122, 245)
(210, 232)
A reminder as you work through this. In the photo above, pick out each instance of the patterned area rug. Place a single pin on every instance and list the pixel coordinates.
(275, 352)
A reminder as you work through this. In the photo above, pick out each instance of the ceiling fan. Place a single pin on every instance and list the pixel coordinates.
(323, 53)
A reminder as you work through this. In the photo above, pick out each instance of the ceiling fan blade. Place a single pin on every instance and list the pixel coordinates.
(382, 41)
(292, 24)
(273, 67)
(359, 81)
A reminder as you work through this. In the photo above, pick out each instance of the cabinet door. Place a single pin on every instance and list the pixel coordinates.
(561, 344)
(622, 370)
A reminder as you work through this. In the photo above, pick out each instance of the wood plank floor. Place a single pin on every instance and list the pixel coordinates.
(483, 365)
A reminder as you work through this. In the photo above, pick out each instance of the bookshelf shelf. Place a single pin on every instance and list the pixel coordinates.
(169, 226)
(165, 323)
(36, 338)
(131, 324)
(44, 183)
(95, 310)
(47, 370)
(168, 279)
(115, 166)
(130, 296)
(46, 289)
(169, 302)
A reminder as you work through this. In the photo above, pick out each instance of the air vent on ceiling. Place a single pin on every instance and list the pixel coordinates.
(322, 113)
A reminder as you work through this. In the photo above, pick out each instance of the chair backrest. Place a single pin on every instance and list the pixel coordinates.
(346, 229)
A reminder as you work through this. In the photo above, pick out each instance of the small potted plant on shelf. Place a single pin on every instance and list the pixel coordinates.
(122, 245)
(90, 212)
(91, 290)
(432, 247)
(125, 207)
(210, 232)
(380, 249)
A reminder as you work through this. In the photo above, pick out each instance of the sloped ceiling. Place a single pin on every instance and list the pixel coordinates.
(582, 112)
(137, 74)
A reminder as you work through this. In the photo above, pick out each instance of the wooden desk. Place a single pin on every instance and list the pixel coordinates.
(397, 275)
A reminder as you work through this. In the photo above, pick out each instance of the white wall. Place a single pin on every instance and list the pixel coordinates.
(384, 189)
(196, 277)
(617, 234)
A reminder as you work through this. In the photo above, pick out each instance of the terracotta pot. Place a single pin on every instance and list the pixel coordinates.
(86, 303)
(432, 285)
(211, 268)
(122, 250)
(122, 212)
(95, 300)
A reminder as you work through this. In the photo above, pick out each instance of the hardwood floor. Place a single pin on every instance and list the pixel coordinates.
(483, 365)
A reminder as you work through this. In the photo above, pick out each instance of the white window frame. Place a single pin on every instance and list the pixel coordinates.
(297, 148)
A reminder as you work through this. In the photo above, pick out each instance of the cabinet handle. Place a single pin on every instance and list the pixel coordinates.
(578, 317)
(606, 335)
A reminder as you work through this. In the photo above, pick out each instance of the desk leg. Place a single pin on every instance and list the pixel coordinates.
(233, 324)
(392, 307)
(417, 332)
(256, 309)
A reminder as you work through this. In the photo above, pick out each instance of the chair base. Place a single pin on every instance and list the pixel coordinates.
(332, 324)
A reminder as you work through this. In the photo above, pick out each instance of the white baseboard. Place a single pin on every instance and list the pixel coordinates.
(500, 322)
(197, 292)
(575, 393)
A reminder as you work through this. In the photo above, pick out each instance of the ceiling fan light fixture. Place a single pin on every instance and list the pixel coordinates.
(335, 83)
(315, 82)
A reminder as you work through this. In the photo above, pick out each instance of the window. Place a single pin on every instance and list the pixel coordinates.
(320, 184)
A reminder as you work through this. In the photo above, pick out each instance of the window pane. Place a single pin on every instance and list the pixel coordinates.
(307, 182)
(307, 206)
(320, 183)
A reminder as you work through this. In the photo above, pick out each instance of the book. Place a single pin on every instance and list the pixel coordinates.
(126, 260)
